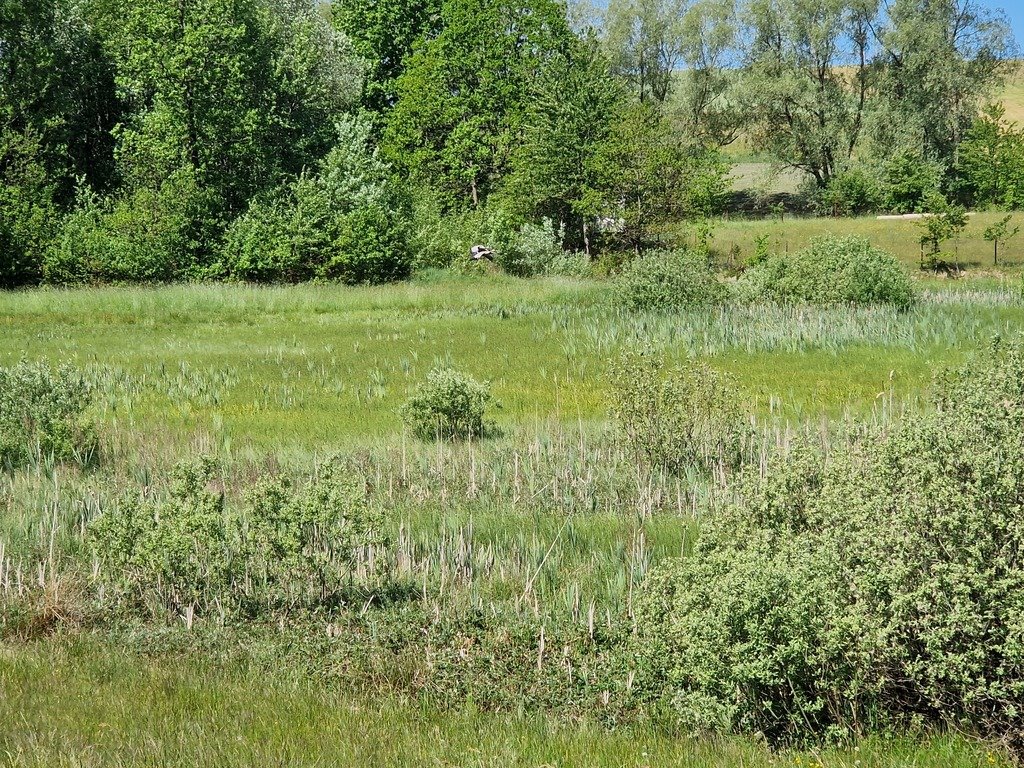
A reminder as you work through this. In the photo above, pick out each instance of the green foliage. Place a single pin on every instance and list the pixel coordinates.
(998, 233)
(648, 175)
(851, 191)
(44, 416)
(384, 34)
(679, 419)
(464, 93)
(449, 405)
(857, 591)
(669, 280)
(347, 223)
(147, 236)
(27, 209)
(945, 222)
(532, 250)
(910, 181)
(990, 161)
(833, 270)
(285, 548)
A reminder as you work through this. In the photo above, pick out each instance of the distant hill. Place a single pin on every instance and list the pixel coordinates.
(1012, 94)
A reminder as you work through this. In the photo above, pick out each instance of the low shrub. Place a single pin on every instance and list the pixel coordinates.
(531, 250)
(683, 418)
(44, 416)
(833, 270)
(667, 280)
(860, 590)
(449, 405)
(285, 547)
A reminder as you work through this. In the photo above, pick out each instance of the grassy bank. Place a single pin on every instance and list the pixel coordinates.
(82, 705)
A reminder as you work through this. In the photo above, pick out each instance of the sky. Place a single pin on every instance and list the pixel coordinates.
(1014, 10)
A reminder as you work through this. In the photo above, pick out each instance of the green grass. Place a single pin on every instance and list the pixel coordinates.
(83, 705)
(315, 368)
(897, 236)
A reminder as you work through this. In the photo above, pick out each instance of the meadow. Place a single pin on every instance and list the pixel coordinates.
(517, 558)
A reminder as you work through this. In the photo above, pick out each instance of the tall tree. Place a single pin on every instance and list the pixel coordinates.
(464, 93)
(807, 79)
(644, 41)
(940, 60)
(573, 106)
(384, 35)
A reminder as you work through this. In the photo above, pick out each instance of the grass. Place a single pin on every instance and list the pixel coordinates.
(85, 705)
(900, 237)
(548, 525)
(315, 368)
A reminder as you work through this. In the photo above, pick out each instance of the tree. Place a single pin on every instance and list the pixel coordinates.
(805, 103)
(572, 108)
(236, 95)
(998, 233)
(384, 35)
(946, 222)
(991, 161)
(643, 41)
(648, 175)
(464, 94)
(939, 62)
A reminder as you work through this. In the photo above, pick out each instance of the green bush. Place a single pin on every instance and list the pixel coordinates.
(146, 236)
(27, 210)
(285, 547)
(43, 416)
(853, 191)
(679, 419)
(908, 181)
(531, 250)
(859, 591)
(667, 280)
(449, 405)
(346, 223)
(833, 270)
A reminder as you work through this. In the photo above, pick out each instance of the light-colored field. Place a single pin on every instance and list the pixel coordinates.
(902, 238)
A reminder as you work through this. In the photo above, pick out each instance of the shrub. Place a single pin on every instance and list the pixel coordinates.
(531, 250)
(853, 191)
(449, 405)
(146, 236)
(27, 209)
(285, 547)
(909, 180)
(667, 280)
(346, 223)
(682, 418)
(43, 416)
(860, 590)
(833, 270)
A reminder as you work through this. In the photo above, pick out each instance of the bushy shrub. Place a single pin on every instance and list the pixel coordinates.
(882, 583)
(683, 418)
(833, 270)
(27, 209)
(145, 236)
(667, 280)
(909, 179)
(448, 405)
(284, 547)
(346, 223)
(531, 250)
(853, 191)
(43, 416)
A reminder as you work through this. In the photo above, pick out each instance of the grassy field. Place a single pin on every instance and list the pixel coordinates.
(86, 707)
(547, 526)
(900, 237)
(321, 367)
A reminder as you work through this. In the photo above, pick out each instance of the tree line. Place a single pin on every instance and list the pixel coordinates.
(287, 140)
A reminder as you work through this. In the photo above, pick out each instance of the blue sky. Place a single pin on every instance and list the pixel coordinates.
(1014, 10)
